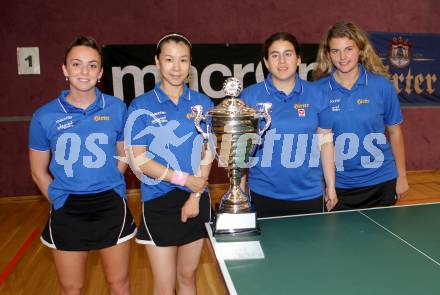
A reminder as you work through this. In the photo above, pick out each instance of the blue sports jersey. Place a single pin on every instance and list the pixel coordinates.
(168, 132)
(287, 164)
(363, 155)
(82, 145)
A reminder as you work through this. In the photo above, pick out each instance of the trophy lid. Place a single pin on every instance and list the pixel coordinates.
(232, 106)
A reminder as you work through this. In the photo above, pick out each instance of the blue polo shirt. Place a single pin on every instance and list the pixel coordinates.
(287, 165)
(363, 155)
(82, 145)
(168, 132)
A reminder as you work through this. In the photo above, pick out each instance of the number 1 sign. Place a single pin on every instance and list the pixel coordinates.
(28, 60)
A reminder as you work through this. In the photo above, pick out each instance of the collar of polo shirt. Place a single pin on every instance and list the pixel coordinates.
(271, 89)
(67, 107)
(362, 80)
(162, 97)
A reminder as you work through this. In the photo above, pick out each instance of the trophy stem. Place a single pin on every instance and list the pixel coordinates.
(236, 128)
(235, 200)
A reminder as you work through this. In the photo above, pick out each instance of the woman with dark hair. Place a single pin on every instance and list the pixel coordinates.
(72, 144)
(167, 150)
(287, 177)
(365, 108)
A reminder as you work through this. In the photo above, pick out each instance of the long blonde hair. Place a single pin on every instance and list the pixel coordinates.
(368, 57)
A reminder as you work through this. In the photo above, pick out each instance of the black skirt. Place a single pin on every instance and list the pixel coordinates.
(88, 222)
(160, 223)
(270, 207)
(378, 195)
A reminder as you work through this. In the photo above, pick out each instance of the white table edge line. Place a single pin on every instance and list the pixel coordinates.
(221, 262)
(401, 239)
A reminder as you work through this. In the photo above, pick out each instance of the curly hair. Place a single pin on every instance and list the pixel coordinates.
(368, 57)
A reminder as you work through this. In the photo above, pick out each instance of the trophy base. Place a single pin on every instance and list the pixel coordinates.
(236, 224)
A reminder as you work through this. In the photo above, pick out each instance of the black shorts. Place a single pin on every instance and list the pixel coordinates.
(269, 207)
(160, 223)
(88, 222)
(378, 195)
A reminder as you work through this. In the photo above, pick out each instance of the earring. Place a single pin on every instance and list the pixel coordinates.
(188, 78)
(67, 78)
(99, 80)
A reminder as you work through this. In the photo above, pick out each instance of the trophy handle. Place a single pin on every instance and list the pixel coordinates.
(197, 111)
(265, 110)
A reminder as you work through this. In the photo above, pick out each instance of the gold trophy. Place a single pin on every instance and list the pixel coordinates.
(235, 129)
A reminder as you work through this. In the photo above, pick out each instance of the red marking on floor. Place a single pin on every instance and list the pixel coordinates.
(13, 262)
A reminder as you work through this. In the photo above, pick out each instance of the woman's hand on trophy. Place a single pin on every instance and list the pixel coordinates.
(196, 184)
(191, 207)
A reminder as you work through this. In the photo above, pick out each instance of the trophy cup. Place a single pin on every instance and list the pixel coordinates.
(235, 127)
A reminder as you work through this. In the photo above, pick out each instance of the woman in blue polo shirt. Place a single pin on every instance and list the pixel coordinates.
(73, 141)
(166, 149)
(287, 177)
(370, 167)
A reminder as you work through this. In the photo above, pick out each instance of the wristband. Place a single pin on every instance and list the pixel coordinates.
(179, 178)
(197, 195)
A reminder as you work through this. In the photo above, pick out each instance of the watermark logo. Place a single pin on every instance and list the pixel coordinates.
(279, 150)
(68, 147)
(161, 139)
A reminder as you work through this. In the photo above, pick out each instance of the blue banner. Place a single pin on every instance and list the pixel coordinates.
(414, 63)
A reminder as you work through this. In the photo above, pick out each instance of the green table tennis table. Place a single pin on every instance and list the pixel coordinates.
(393, 250)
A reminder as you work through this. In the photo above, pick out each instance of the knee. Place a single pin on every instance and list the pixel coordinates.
(186, 277)
(162, 289)
(71, 289)
(119, 287)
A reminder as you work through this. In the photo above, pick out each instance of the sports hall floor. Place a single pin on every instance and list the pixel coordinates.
(26, 265)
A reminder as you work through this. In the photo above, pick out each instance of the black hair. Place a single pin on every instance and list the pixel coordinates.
(175, 37)
(281, 36)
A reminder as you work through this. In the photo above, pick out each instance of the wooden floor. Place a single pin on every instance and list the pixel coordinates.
(35, 273)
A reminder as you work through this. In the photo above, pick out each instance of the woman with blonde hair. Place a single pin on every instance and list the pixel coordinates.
(370, 166)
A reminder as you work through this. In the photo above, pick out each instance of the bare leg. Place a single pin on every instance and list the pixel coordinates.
(188, 258)
(115, 261)
(163, 265)
(71, 269)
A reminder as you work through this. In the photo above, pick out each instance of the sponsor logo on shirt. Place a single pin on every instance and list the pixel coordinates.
(101, 118)
(63, 119)
(335, 102)
(65, 126)
(189, 116)
(363, 101)
(336, 108)
(159, 117)
(301, 106)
